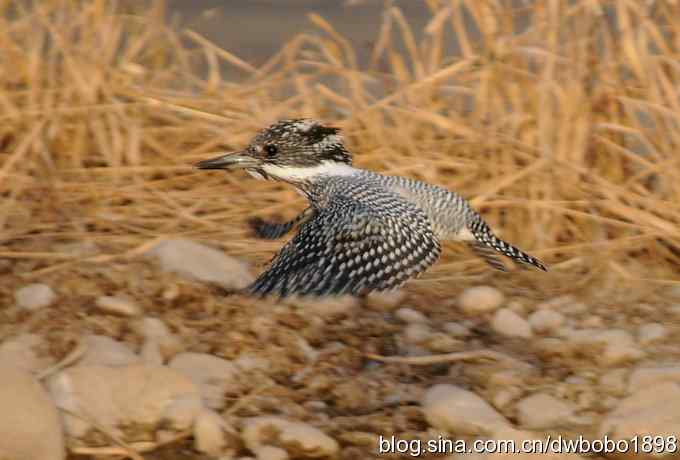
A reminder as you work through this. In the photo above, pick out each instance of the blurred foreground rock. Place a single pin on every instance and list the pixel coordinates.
(300, 440)
(19, 352)
(118, 306)
(30, 427)
(480, 299)
(654, 410)
(212, 374)
(456, 410)
(203, 263)
(101, 350)
(34, 296)
(137, 395)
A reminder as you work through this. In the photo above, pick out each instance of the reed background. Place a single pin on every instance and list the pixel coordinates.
(562, 127)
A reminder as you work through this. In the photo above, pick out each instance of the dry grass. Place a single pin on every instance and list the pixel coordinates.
(565, 132)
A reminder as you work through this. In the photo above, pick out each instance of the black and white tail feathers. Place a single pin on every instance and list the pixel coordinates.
(486, 244)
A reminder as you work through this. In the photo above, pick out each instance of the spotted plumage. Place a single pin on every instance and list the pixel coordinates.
(363, 231)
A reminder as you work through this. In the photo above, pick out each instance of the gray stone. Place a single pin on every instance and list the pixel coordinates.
(614, 381)
(271, 453)
(455, 329)
(212, 374)
(653, 411)
(139, 395)
(455, 410)
(510, 324)
(209, 433)
(545, 321)
(101, 350)
(118, 306)
(542, 411)
(651, 332)
(19, 352)
(417, 333)
(151, 353)
(155, 330)
(29, 422)
(646, 376)
(298, 439)
(203, 263)
(480, 299)
(34, 296)
(409, 315)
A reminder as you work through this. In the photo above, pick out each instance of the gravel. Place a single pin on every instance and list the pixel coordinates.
(34, 297)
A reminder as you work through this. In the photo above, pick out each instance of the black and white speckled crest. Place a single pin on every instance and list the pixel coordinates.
(299, 142)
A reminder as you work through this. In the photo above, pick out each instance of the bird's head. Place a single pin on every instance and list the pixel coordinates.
(293, 150)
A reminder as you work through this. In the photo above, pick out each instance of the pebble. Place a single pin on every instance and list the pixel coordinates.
(34, 296)
(153, 329)
(651, 332)
(508, 323)
(139, 395)
(118, 306)
(151, 353)
(505, 396)
(620, 348)
(29, 421)
(646, 376)
(409, 315)
(654, 410)
(212, 374)
(209, 433)
(455, 329)
(385, 300)
(439, 342)
(480, 299)
(196, 261)
(19, 352)
(417, 333)
(298, 439)
(271, 453)
(456, 410)
(545, 321)
(614, 382)
(181, 413)
(541, 411)
(104, 351)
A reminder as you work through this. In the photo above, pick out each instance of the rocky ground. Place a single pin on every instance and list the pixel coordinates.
(154, 354)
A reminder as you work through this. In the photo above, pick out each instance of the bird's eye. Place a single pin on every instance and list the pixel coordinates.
(271, 150)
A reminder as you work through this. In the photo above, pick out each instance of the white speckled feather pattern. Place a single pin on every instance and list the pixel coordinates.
(363, 231)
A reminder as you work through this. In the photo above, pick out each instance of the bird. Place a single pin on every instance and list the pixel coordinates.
(362, 231)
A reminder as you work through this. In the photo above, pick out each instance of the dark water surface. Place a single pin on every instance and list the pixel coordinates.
(256, 29)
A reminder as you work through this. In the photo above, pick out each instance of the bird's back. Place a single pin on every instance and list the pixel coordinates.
(447, 212)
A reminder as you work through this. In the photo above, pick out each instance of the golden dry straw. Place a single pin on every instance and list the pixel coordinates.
(563, 127)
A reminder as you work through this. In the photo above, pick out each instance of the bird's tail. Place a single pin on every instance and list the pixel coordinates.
(485, 236)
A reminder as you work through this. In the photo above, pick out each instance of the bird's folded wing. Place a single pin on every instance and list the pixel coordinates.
(349, 247)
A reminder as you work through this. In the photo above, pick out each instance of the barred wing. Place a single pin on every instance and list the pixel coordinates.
(349, 247)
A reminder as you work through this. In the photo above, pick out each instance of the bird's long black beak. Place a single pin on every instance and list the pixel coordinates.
(235, 160)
